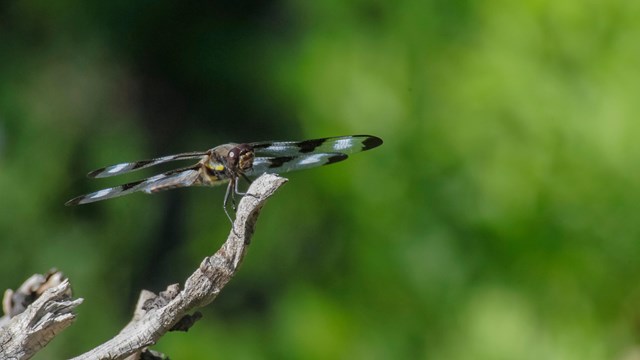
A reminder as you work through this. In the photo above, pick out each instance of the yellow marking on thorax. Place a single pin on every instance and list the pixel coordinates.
(218, 167)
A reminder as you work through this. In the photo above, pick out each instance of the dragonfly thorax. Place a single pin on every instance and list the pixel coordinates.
(230, 160)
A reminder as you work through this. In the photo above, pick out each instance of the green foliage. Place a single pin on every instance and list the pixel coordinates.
(497, 221)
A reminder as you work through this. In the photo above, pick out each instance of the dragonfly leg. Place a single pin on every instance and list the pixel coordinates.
(236, 187)
(226, 201)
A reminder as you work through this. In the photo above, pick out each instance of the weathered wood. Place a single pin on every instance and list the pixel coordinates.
(34, 314)
(157, 314)
(43, 306)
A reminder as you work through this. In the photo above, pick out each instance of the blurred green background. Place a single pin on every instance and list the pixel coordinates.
(499, 220)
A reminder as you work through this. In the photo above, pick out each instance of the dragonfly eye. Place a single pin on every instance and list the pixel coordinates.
(240, 157)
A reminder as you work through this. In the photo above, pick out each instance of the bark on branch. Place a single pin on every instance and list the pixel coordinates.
(155, 315)
(34, 314)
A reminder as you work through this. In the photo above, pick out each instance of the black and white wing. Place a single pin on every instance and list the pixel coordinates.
(169, 180)
(142, 164)
(341, 144)
(282, 164)
(284, 156)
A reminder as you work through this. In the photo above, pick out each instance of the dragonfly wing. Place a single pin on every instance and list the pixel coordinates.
(137, 165)
(178, 179)
(341, 144)
(169, 180)
(282, 164)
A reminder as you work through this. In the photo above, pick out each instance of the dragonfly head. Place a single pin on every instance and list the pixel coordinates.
(240, 158)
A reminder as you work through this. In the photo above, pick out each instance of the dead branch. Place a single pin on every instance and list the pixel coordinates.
(42, 306)
(156, 314)
(34, 314)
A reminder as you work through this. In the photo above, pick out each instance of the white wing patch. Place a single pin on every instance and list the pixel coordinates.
(276, 148)
(311, 159)
(343, 144)
(117, 168)
(101, 193)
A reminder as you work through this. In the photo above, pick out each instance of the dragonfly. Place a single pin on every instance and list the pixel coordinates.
(228, 163)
